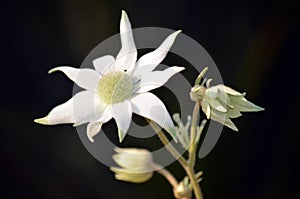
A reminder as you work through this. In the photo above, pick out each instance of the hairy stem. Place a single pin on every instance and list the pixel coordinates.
(167, 143)
(164, 172)
(193, 145)
(196, 187)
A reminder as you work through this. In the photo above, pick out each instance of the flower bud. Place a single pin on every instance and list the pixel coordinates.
(183, 191)
(136, 165)
(197, 93)
(221, 103)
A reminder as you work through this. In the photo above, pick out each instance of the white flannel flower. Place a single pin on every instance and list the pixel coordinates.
(221, 103)
(136, 165)
(117, 88)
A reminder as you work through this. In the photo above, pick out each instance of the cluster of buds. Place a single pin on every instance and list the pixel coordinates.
(221, 103)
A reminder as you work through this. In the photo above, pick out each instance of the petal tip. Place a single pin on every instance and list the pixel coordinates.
(121, 135)
(43, 120)
(91, 138)
(52, 70)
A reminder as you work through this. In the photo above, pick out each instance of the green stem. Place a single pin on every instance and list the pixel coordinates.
(196, 187)
(167, 143)
(184, 163)
(164, 172)
(192, 153)
(193, 145)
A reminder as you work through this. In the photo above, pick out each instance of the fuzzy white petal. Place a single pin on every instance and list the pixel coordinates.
(63, 113)
(87, 107)
(103, 64)
(133, 158)
(94, 127)
(122, 113)
(149, 61)
(83, 107)
(85, 78)
(151, 107)
(155, 79)
(127, 56)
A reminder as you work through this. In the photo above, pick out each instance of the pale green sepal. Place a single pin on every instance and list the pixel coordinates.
(225, 98)
(230, 90)
(205, 108)
(212, 92)
(223, 119)
(216, 105)
(233, 113)
(242, 104)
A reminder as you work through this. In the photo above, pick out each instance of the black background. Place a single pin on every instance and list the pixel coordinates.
(254, 43)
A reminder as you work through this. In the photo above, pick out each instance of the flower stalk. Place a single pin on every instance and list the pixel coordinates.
(187, 166)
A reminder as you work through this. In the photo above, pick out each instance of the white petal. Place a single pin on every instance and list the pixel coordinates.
(83, 107)
(126, 58)
(122, 113)
(61, 114)
(149, 61)
(93, 128)
(156, 79)
(103, 64)
(85, 78)
(133, 158)
(151, 107)
(87, 107)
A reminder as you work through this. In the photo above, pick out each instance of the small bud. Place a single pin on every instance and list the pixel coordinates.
(136, 165)
(183, 191)
(197, 93)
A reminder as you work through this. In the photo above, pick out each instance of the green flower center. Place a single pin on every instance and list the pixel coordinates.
(115, 87)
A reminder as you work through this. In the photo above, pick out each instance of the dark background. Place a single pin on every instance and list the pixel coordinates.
(255, 44)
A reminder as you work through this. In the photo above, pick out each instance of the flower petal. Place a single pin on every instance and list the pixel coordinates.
(83, 107)
(205, 108)
(63, 113)
(85, 78)
(133, 159)
(152, 80)
(103, 64)
(94, 127)
(149, 61)
(127, 56)
(122, 113)
(87, 107)
(129, 176)
(151, 107)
